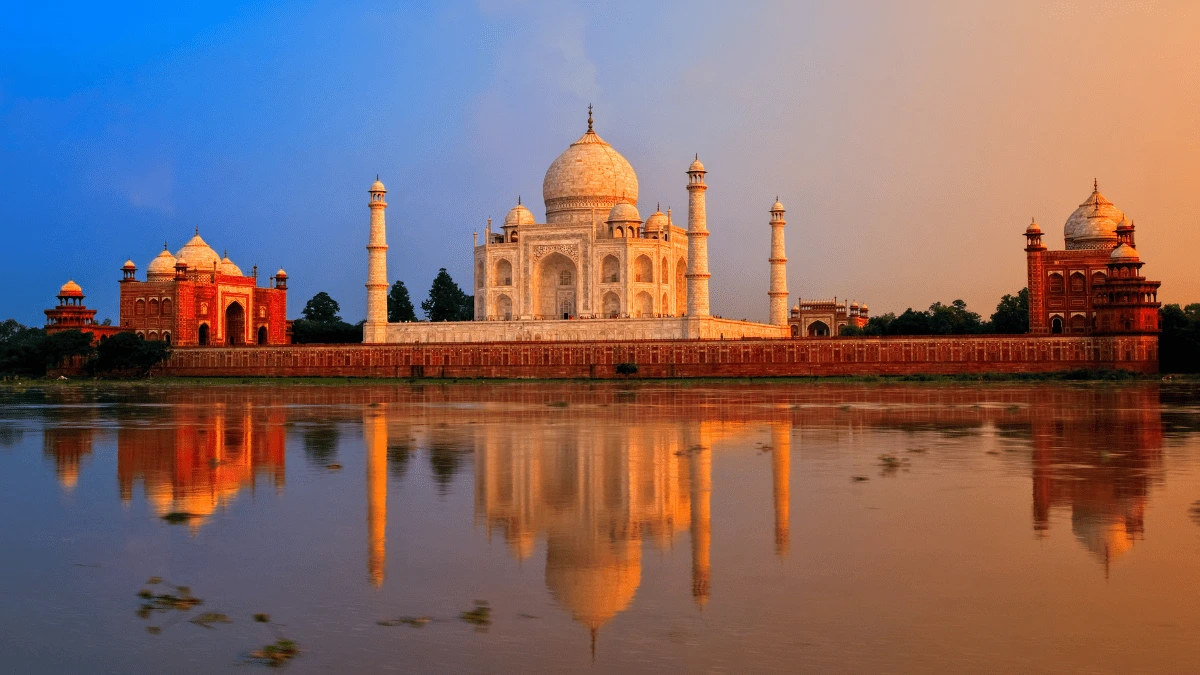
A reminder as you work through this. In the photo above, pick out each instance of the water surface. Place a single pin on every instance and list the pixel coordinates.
(833, 528)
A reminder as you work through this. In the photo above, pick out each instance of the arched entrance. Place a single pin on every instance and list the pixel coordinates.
(235, 324)
(612, 305)
(818, 329)
(202, 335)
(643, 305)
(555, 293)
(262, 335)
(1056, 325)
(504, 307)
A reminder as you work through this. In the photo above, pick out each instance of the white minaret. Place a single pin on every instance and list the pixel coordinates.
(697, 234)
(778, 260)
(375, 329)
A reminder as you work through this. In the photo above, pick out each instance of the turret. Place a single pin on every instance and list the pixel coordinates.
(1036, 281)
(375, 329)
(697, 269)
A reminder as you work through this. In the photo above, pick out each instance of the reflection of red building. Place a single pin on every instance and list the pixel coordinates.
(202, 459)
(1094, 285)
(1099, 460)
(196, 297)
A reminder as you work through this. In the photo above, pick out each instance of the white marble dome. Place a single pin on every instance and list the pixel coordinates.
(228, 268)
(162, 268)
(199, 255)
(589, 174)
(624, 212)
(1093, 225)
(519, 216)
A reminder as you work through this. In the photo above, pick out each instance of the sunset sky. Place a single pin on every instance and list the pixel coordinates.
(911, 142)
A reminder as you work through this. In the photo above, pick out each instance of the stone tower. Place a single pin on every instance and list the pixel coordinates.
(375, 329)
(1036, 283)
(778, 260)
(697, 234)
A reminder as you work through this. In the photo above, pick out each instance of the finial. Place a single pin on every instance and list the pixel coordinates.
(1095, 185)
(589, 117)
(518, 200)
(225, 254)
(697, 157)
(164, 245)
(658, 206)
(376, 176)
(197, 230)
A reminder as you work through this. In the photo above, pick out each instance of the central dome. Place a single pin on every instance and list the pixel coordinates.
(1094, 224)
(199, 255)
(588, 175)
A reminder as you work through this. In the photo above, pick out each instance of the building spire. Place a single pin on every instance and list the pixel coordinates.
(1095, 185)
(197, 230)
(589, 117)
(518, 200)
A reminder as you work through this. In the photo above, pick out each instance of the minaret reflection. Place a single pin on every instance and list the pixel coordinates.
(67, 447)
(375, 437)
(701, 484)
(781, 467)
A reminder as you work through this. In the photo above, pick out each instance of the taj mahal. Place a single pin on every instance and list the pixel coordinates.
(594, 270)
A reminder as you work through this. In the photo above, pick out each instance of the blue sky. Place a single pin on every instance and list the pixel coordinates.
(911, 142)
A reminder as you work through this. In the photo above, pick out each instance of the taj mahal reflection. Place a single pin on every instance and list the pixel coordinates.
(593, 492)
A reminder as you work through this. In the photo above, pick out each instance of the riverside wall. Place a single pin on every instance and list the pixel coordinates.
(849, 356)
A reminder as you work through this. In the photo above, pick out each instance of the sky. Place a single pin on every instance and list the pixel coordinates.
(910, 142)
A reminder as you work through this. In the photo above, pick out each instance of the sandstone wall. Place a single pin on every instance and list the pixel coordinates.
(680, 358)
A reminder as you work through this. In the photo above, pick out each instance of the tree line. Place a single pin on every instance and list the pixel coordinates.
(29, 351)
(321, 322)
(1010, 318)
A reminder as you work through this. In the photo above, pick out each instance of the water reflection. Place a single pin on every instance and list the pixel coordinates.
(586, 478)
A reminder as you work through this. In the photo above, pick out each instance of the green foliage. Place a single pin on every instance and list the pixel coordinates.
(447, 302)
(322, 309)
(1012, 314)
(127, 354)
(322, 325)
(400, 307)
(30, 351)
(1179, 341)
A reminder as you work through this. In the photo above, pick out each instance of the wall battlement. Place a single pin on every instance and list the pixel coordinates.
(939, 355)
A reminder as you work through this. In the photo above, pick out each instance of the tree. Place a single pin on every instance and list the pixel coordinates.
(911, 322)
(322, 325)
(30, 351)
(322, 309)
(1179, 342)
(1012, 314)
(446, 301)
(127, 353)
(953, 319)
(400, 307)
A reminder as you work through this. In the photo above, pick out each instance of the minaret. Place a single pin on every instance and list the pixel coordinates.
(375, 440)
(778, 260)
(1035, 266)
(697, 269)
(781, 467)
(375, 329)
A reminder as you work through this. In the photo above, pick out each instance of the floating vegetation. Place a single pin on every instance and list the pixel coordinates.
(276, 654)
(334, 467)
(917, 451)
(859, 479)
(480, 617)
(559, 404)
(1194, 512)
(207, 619)
(262, 618)
(180, 600)
(992, 452)
(891, 464)
(414, 621)
(179, 517)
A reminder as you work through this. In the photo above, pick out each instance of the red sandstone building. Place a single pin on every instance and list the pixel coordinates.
(1094, 286)
(72, 314)
(198, 298)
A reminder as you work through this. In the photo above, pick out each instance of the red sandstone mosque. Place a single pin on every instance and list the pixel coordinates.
(192, 298)
(1095, 285)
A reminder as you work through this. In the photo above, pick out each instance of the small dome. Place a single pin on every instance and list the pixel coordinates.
(281, 273)
(519, 216)
(229, 269)
(377, 186)
(1093, 225)
(1124, 252)
(163, 265)
(624, 212)
(70, 290)
(777, 206)
(180, 262)
(656, 222)
(199, 255)
(1033, 228)
(854, 305)
(129, 265)
(696, 165)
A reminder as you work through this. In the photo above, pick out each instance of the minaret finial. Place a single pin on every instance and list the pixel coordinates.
(589, 117)
(164, 245)
(697, 157)
(1095, 185)
(518, 200)
(197, 230)
(376, 176)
